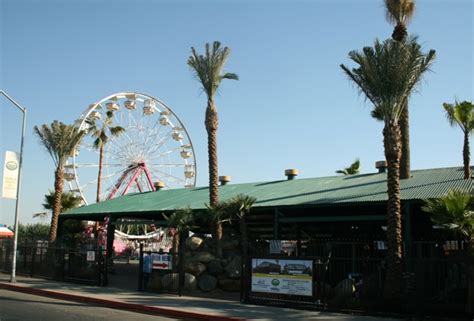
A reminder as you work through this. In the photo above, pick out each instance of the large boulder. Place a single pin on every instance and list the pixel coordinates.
(230, 285)
(170, 282)
(194, 267)
(233, 269)
(203, 257)
(193, 242)
(207, 283)
(344, 290)
(215, 267)
(230, 244)
(154, 283)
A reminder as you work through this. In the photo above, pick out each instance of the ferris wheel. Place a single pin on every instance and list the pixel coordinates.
(153, 149)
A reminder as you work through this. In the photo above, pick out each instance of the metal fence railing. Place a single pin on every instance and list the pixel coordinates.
(39, 259)
(350, 276)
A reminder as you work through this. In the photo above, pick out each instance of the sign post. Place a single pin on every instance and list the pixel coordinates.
(17, 206)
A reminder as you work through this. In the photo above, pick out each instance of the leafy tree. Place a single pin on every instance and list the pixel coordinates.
(102, 134)
(241, 206)
(37, 231)
(455, 211)
(387, 74)
(353, 169)
(60, 141)
(462, 115)
(399, 13)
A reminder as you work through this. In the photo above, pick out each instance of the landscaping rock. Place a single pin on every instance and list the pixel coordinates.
(233, 270)
(344, 289)
(230, 285)
(194, 267)
(207, 283)
(203, 257)
(215, 267)
(230, 244)
(170, 282)
(194, 242)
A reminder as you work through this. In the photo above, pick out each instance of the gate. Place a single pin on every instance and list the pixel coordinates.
(161, 272)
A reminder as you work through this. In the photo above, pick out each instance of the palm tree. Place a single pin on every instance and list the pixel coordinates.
(219, 213)
(180, 222)
(241, 205)
(101, 134)
(209, 70)
(353, 169)
(68, 201)
(387, 74)
(462, 114)
(60, 141)
(399, 13)
(455, 211)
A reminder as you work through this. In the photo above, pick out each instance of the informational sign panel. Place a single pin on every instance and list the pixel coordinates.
(282, 276)
(161, 262)
(90, 256)
(10, 175)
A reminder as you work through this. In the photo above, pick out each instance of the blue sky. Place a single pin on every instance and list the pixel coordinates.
(292, 107)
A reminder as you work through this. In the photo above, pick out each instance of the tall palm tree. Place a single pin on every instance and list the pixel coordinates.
(462, 114)
(387, 74)
(455, 211)
(60, 141)
(399, 13)
(208, 69)
(353, 169)
(241, 205)
(101, 134)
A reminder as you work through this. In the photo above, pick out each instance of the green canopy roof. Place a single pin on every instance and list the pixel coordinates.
(322, 191)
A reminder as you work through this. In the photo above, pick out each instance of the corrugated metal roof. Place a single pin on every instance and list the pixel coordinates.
(428, 183)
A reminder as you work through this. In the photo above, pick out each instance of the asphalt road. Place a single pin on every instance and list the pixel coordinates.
(16, 306)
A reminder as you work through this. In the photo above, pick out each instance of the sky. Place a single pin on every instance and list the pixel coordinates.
(292, 107)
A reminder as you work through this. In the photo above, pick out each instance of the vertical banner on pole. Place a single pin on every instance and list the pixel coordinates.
(10, 175)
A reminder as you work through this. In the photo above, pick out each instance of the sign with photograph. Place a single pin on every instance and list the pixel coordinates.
(10, 175)
(282, 276)
(161, 262)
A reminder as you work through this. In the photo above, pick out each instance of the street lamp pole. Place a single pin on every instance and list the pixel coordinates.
(17, 206)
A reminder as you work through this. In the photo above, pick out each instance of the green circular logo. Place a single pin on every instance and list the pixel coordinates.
(275, 282)
(11, 165)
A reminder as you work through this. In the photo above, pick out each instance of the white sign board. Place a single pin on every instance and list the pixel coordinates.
(10, 175)
(161, 262)
(90, 256)
(282, 276)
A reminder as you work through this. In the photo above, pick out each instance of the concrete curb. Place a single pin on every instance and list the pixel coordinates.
(117, 304)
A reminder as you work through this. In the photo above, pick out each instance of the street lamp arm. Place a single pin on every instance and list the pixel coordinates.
(13, 101)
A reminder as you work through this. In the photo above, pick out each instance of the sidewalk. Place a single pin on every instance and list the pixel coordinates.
(171, 305)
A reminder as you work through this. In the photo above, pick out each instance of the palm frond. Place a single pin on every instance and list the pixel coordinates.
(461, 114)
(399, 11)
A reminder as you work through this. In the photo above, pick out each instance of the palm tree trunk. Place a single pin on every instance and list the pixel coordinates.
(405, 132)
(392, 289)
(212, 124)
(466, 156)
(218, 229)
(244, 236)
(99, 175)
(58, 191)
(175, 248)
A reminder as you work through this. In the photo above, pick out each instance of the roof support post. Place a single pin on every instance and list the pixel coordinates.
(407, 233)
(110, 238)
(276, 224)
